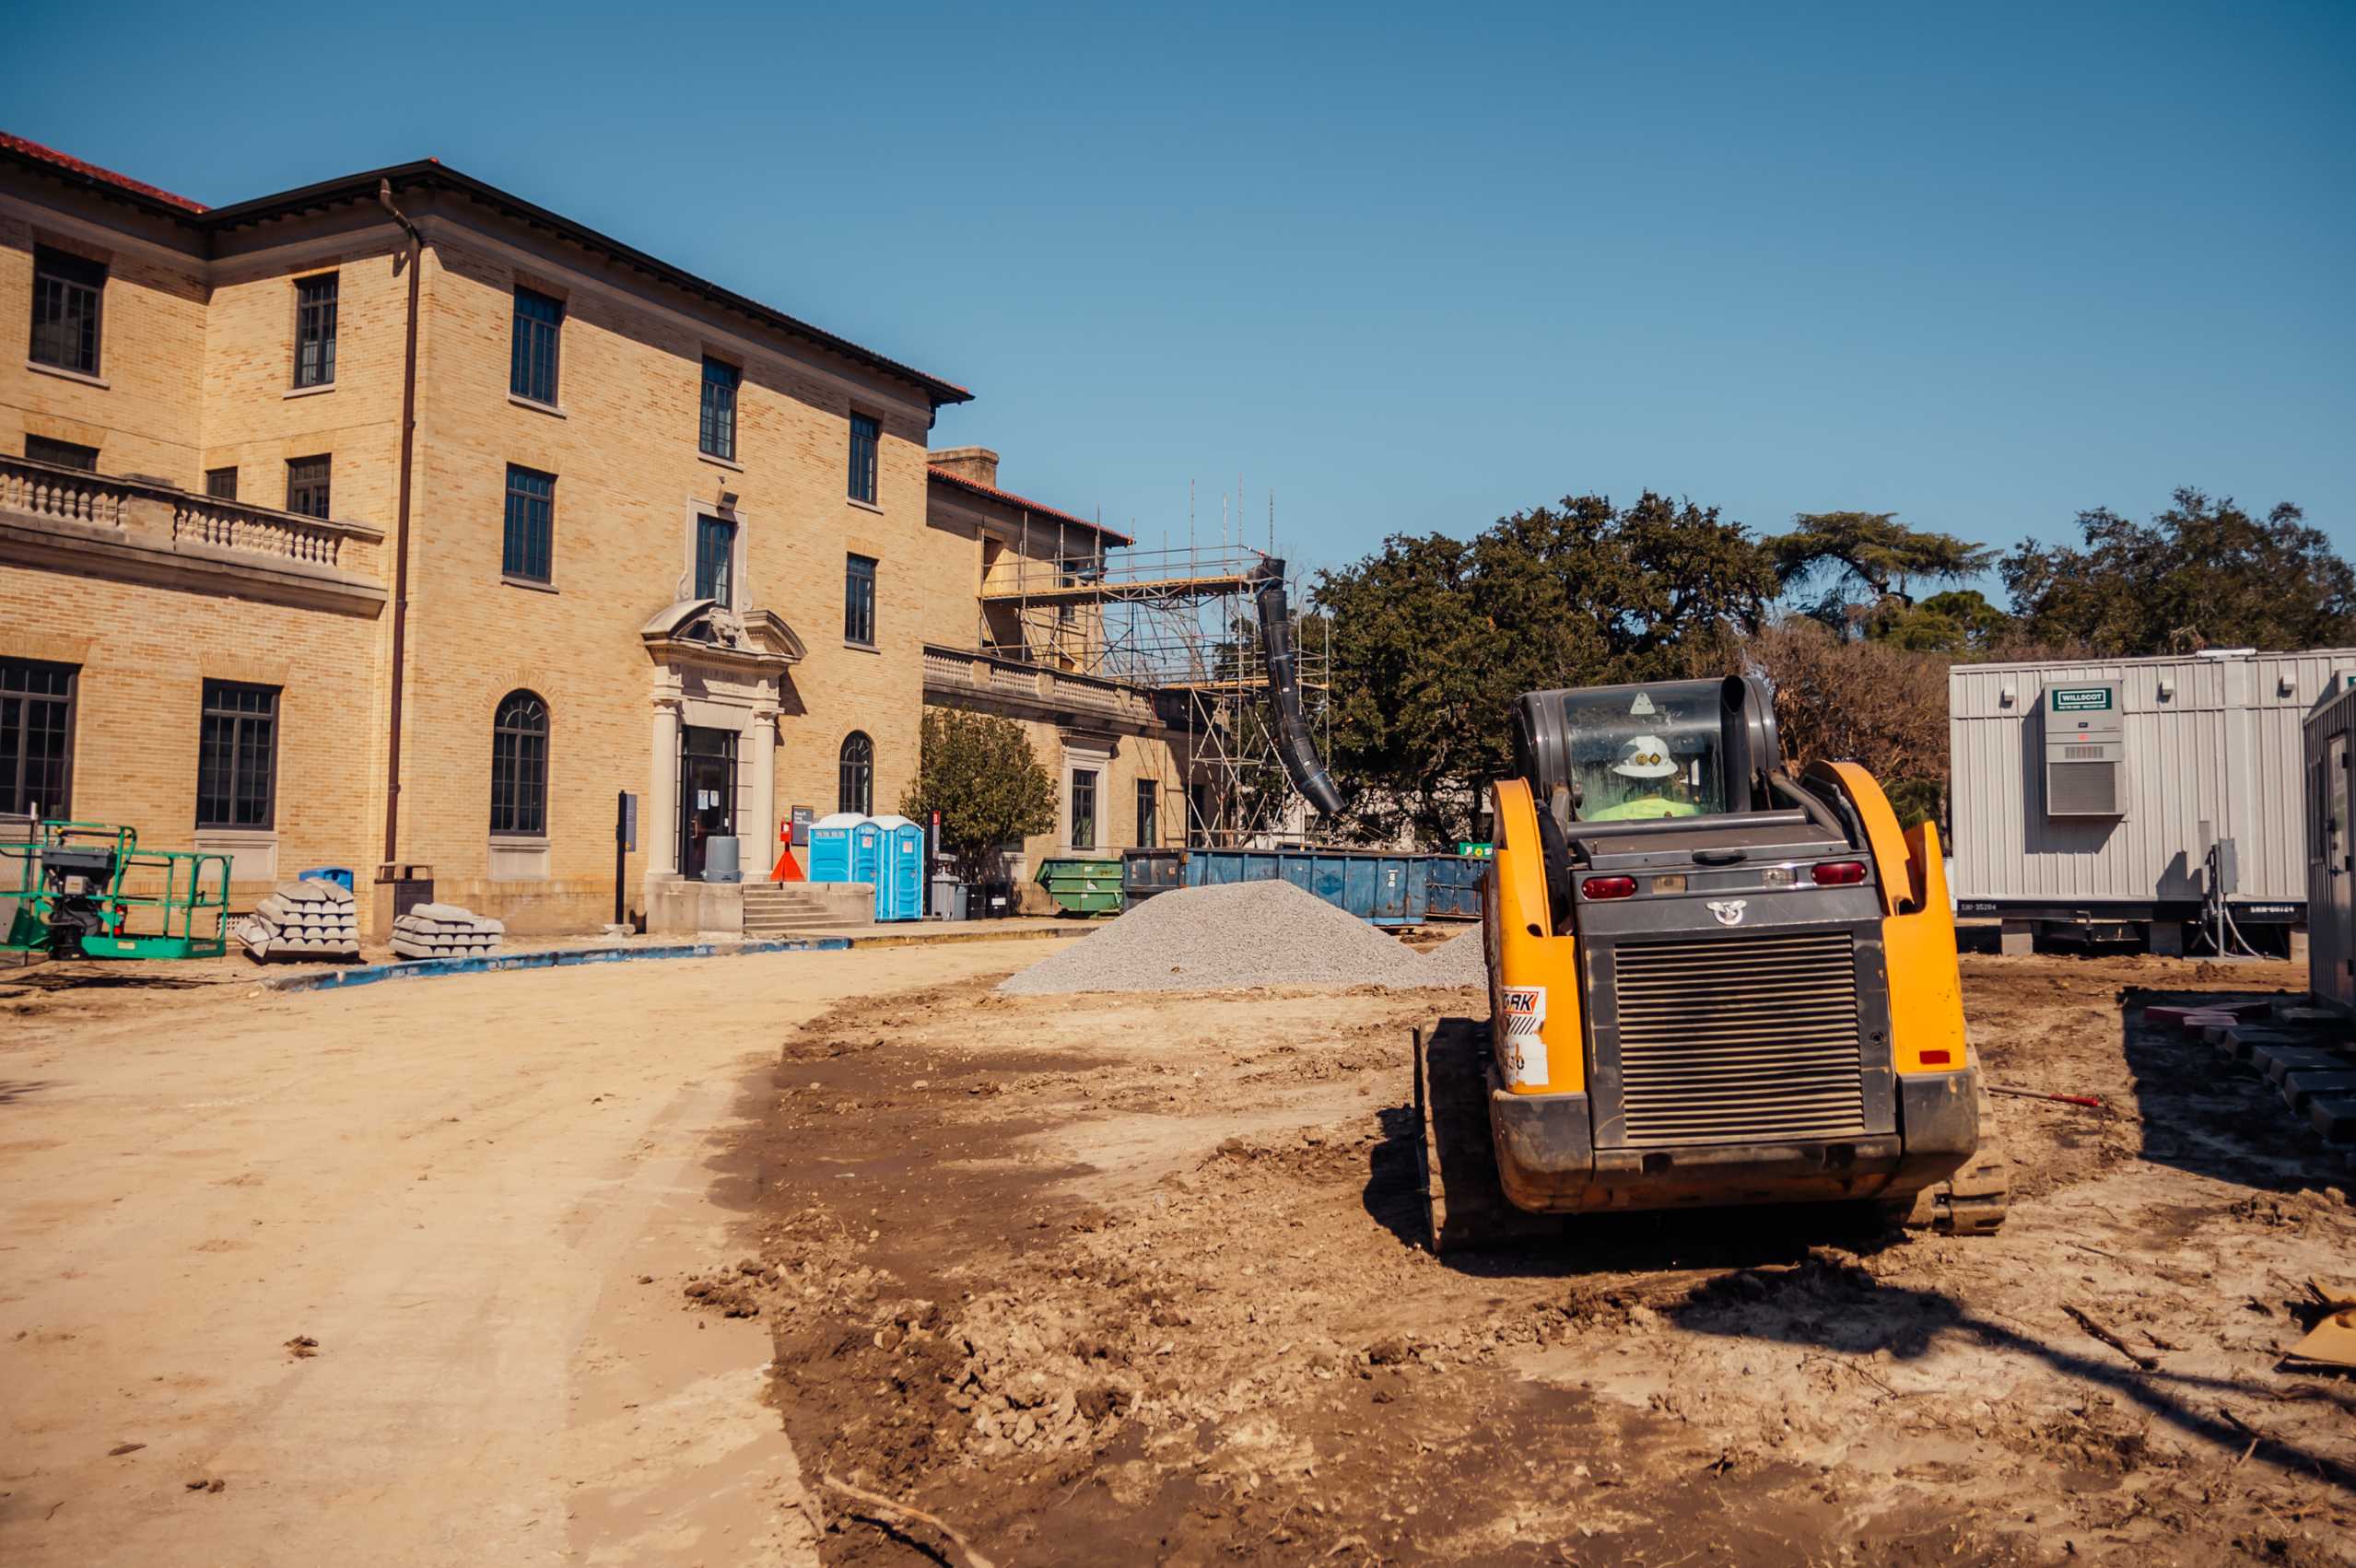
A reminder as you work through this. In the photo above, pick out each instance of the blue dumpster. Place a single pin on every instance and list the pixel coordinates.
(1387, 888)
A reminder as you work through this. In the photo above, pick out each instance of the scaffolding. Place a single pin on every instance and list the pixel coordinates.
(1183, 625)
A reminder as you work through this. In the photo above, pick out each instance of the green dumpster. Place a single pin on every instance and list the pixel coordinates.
(1083, 887)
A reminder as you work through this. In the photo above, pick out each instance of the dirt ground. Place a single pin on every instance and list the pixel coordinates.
(1103, 1279)
(646, 1262)
(464, 1190)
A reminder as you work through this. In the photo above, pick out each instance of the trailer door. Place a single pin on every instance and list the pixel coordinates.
(2334, 944)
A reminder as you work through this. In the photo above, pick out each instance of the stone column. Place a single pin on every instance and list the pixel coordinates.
(758, 828)
(659, 828)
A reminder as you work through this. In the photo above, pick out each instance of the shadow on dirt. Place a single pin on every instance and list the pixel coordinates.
(52, 979)
(1568, 1247)
(2206, 1114)
(1843, 1309)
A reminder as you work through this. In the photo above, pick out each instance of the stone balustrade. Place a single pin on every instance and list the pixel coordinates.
(142, 509)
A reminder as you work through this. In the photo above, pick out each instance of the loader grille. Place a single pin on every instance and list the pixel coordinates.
(1738, 1038)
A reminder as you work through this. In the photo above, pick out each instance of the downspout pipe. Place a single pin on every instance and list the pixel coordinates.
(401, 529)
(1294, 745)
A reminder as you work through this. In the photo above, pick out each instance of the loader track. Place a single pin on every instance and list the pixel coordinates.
(1974, 1201)
(1466, 1207)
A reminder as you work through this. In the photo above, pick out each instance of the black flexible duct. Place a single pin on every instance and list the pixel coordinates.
(1293, 742)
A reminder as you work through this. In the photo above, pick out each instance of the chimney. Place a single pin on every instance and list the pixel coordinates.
(978, 464)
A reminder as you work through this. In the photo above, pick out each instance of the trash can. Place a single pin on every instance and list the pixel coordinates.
(340, 875)
(949, 897)
(721, 863)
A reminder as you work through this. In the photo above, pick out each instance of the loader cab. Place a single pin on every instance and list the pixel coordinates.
(1650, 750)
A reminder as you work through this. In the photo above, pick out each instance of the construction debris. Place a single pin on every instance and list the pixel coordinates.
(2331, 1343)
(445, 930)
(307, 920)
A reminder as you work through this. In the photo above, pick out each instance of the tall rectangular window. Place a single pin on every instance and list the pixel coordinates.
(717, 432)
(66, 454)
(36, 737)
(1149, 817)
(715, 558)
(68, 292)
(530, 546)
(866, 435)
(316, 331)
(306, 484)
(221, 483)
(1083, 809)
(859, 602)
(237, 756)
(532, 364)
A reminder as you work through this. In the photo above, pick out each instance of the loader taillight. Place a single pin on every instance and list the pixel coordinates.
(1608, 886)
(1839, 874)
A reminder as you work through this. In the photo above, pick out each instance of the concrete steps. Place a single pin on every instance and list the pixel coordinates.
(774, 908)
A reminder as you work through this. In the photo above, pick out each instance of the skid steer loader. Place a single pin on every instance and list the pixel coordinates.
(1711, 982)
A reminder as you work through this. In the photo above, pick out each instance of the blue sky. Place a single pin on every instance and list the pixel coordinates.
(1413, 268)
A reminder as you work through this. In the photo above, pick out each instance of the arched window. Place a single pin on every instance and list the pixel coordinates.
(519, 766)
(858, 790)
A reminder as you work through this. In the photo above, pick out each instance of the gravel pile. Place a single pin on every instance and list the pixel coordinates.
(1459, 961)
(1204, 939)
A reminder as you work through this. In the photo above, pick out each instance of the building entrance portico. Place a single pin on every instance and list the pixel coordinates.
(711, 763)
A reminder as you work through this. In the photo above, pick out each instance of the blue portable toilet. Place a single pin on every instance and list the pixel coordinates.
(866, 853)
(830, 847)
(899, 875)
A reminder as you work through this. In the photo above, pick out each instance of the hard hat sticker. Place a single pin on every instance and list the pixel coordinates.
(1521, 1055)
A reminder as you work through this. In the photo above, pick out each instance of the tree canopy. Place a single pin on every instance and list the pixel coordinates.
(1435, 637)
(2202, 574)
(1863, 567)
(981, 773)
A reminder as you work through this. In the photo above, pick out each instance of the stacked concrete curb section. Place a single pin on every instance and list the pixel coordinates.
(309, 919)
(445, 930)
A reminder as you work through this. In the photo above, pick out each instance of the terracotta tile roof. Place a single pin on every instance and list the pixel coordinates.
(33, 149)
(1024, 503)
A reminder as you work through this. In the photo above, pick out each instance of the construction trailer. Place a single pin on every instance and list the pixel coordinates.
(2331, 847)
(2136, 798)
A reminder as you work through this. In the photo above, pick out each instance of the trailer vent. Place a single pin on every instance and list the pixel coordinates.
(1738, 1038)
(2082, 789)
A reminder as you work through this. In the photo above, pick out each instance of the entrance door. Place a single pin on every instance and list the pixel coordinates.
(707, 793)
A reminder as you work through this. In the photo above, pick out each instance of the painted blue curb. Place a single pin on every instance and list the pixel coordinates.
(421, 968)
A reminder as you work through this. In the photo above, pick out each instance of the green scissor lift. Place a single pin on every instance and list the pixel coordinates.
(86, 889)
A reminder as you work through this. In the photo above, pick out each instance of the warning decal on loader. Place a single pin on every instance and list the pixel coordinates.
(1521, 1055)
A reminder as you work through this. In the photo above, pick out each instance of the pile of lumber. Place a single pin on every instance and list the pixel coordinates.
(303, 919)
(2305, 1053)
(445, 930)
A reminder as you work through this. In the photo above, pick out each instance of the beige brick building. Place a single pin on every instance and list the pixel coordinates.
(396, 523)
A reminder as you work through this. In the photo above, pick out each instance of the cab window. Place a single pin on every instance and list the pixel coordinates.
(1653, 752)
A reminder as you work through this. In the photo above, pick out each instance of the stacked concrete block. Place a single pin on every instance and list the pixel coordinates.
(445, 930)
(306, 920)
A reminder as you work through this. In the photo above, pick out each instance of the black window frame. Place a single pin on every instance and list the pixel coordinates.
(1091, 776)
(519, 752)
(245, 797)
(1149, 814)
(528, 532)
(535, 345)
(716, 419)
(65, 454)
(302, 481)
(858, 600)
(866, 448)
(855, 774)
(28, 687)
(220, 484)
(716, 571)
(70, 291)
(315, 302)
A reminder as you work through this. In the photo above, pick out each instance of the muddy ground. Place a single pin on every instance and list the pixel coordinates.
(1106, 1279)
